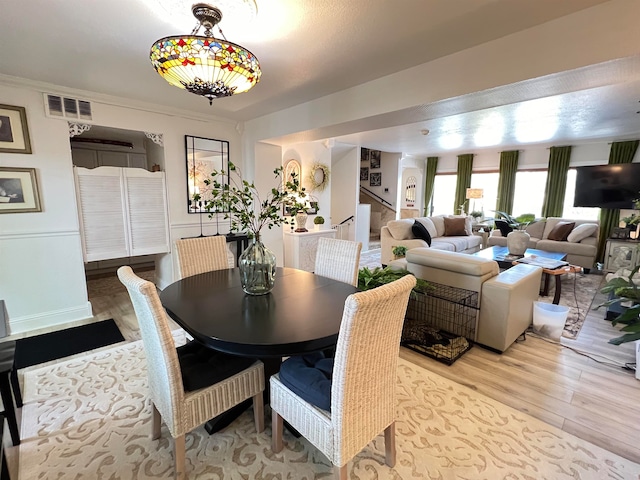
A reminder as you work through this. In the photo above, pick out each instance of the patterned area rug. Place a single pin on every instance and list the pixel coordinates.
(90, 418)
(577, 293)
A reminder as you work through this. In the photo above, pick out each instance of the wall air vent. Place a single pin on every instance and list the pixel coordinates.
(67, 107)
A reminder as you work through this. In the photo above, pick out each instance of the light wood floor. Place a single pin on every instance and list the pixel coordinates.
(596, 402)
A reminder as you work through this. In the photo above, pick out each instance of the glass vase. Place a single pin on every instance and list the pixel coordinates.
(257, 268)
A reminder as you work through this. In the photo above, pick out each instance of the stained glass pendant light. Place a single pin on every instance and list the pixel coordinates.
(205, 65)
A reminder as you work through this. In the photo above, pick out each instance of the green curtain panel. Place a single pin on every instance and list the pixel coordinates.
(465, 167)
(507, 181)
(429, 182)
(621, 152)
(553, 202)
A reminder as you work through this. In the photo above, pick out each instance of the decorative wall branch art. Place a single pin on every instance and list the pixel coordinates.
(14, 132)
(19, 190)
(364, 173)
(375, 179)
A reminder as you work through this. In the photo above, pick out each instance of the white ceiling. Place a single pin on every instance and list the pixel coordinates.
(311, 48)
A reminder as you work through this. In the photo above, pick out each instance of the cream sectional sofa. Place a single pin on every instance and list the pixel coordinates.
(582, 253)
(398, 232)
(505, 300)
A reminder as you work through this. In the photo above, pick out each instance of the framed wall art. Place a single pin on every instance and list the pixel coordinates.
(374, 155)
(375, 179)
(364, 154)
(14, 133)
(19, 190)
(364, 173)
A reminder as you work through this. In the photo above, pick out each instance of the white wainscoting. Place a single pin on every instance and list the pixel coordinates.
(42, 279)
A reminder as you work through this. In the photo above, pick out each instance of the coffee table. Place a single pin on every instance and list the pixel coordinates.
(501, 256)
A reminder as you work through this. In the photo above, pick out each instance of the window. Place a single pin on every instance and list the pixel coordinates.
(488, 182)
(444, 193)
(529, 193)
(579, 213)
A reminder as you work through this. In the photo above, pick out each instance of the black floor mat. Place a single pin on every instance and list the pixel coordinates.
(63, 343)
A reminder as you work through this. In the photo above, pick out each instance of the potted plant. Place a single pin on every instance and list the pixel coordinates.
(399, 251)
(318, 222)
(518, 239)
(248, 212)
(477, 215)
(625, 290)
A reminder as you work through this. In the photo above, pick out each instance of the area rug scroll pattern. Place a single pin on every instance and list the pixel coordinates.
(90, 418)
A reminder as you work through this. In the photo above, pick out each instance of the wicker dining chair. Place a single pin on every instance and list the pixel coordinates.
(183, 411)
(363, 387)
(338, 259)
(201, 254)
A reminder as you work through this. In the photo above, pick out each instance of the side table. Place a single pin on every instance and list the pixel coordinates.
(300, 248)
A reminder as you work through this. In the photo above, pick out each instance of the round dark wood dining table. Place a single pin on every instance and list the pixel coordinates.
(301, 314)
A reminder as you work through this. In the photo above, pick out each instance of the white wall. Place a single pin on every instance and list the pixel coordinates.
(308, 154)
(42, 252)
(345, 175)
(530, 157)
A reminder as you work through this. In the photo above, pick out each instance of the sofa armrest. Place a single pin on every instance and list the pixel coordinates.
(506, 306)
(387, 242)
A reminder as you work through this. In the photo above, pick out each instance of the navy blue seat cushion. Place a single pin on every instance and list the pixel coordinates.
(202, 367)
(504, 227)
(421, 232)
(309, 377)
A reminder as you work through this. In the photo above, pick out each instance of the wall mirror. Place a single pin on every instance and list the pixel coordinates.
(204, 156)
(292, 166)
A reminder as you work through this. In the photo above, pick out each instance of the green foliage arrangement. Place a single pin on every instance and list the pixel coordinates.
(368, 279)
(318, 220)
(626, 291)
(240, 200)
(517, 223)
(399, 251)
(476, 214)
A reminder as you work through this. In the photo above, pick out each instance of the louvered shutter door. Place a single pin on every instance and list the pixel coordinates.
(147, 211)
(102, 216)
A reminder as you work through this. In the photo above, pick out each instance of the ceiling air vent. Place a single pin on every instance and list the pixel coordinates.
(67, 107)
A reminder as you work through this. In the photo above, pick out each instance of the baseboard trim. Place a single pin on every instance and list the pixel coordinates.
(49, 319)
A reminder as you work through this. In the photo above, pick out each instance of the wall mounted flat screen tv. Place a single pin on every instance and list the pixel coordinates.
(607, 186)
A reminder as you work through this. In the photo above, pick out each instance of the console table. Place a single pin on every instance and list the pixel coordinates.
(300, 248)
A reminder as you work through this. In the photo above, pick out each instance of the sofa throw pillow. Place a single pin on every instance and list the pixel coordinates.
(561, 231)
(429, 225)
(581, 232)
(504, 227)
(454, 227)
(400, 229)
(421, 232)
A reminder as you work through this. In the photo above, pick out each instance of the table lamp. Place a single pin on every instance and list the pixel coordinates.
(473, 194)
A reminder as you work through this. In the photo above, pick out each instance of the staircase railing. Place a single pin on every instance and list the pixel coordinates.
(377, 197)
